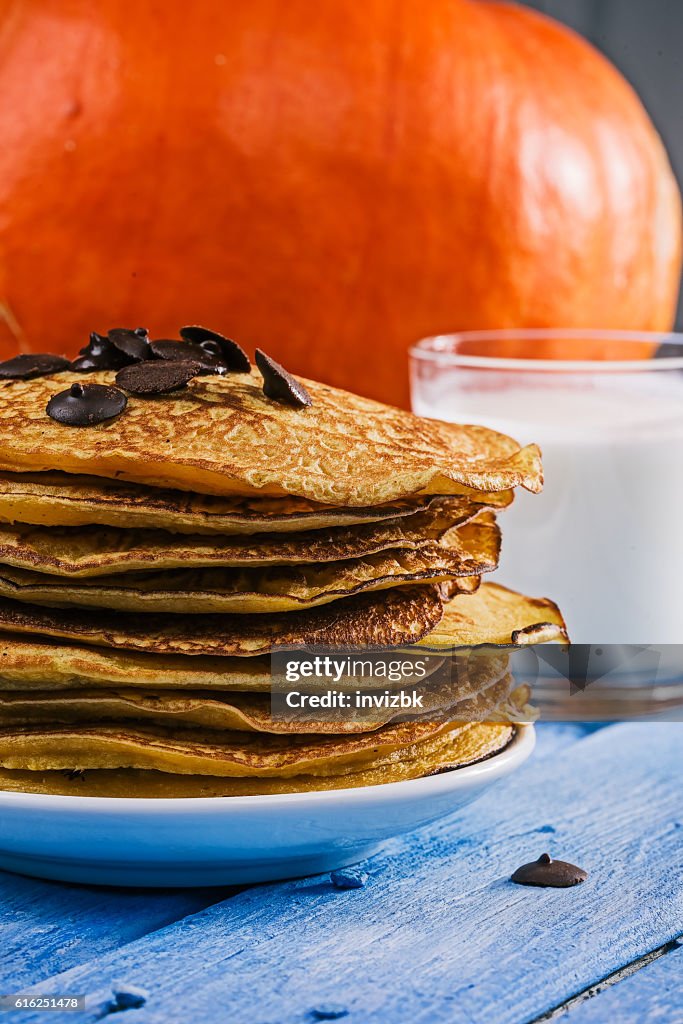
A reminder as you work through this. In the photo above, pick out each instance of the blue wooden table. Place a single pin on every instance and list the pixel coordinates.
(439, 933)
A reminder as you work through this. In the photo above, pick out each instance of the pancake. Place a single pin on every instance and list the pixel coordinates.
(235, 712)
(467, 552)
(463, 745)
(388, 618)
(79, 552)
(203, 752)
(60, 499)
(222, 435)
(496, 615)
(41, 664)
(463, 556)
(34, 663)
(392, 618)
(464, 672)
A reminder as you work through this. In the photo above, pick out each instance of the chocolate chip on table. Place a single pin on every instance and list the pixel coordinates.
(99, 354)
(157, 377)
(182, 351)
(232, 355)
(84, 405)
(280, 385)
(30, 365)
(329, 1011)
(349, 878)
(548, 872)
(127, 996)
(134, 344)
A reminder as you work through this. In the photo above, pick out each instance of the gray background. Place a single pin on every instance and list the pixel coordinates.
(644, 38)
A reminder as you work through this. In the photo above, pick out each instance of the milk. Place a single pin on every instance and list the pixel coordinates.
(605, 538)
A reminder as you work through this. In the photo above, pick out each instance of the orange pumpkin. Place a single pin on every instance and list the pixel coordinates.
(328, 181)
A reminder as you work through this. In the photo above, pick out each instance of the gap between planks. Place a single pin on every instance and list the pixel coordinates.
(610, 979)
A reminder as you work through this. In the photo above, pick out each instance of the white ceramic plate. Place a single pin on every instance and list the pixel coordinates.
(229, 840)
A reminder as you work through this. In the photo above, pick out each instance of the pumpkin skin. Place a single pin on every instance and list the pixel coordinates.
(327, 182)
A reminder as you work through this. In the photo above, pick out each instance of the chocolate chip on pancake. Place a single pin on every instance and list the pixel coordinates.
(84, 405)
(157, 377)
(133, 344)
(182, 351)
(385, 453)
(99, 354)
(231, 355)
(545, 871)
(28, 366)
(279, 385)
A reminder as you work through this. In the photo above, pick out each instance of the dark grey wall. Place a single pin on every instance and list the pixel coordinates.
(644, 38)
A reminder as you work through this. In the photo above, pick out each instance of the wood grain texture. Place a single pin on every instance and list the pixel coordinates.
(440, 933)
(47, 927)
(553, 737)
(653, 995)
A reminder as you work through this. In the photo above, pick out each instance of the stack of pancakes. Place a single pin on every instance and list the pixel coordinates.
(151, 563)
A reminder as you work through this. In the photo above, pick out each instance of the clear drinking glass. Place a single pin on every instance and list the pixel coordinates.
(605, 538)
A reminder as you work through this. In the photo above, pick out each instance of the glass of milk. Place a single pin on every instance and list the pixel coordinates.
(605, 537)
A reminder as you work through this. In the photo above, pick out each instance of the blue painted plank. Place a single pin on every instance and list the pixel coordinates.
(653, 995)
(440, 933)
(46, 927)
(552, 736)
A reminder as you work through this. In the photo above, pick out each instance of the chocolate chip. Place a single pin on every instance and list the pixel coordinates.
(548, 872)
(181, 351)
(157, 377)
(127, 996)
(99, 354)
(132, 344)
(84, 405)
(329, 1011)
(349, 878)
(174, 350)
(280, 385)
(232, 355)
(28, 366)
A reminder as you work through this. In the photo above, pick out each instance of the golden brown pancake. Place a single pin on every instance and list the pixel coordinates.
(463, 556)
(204, 752)
(368, 519)
(387, 618)
(222, 435)
(96, 551)
(62, 499)
(236, 712)
(496, 615)
(28, 663)
(392, 618)
(463, 745)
